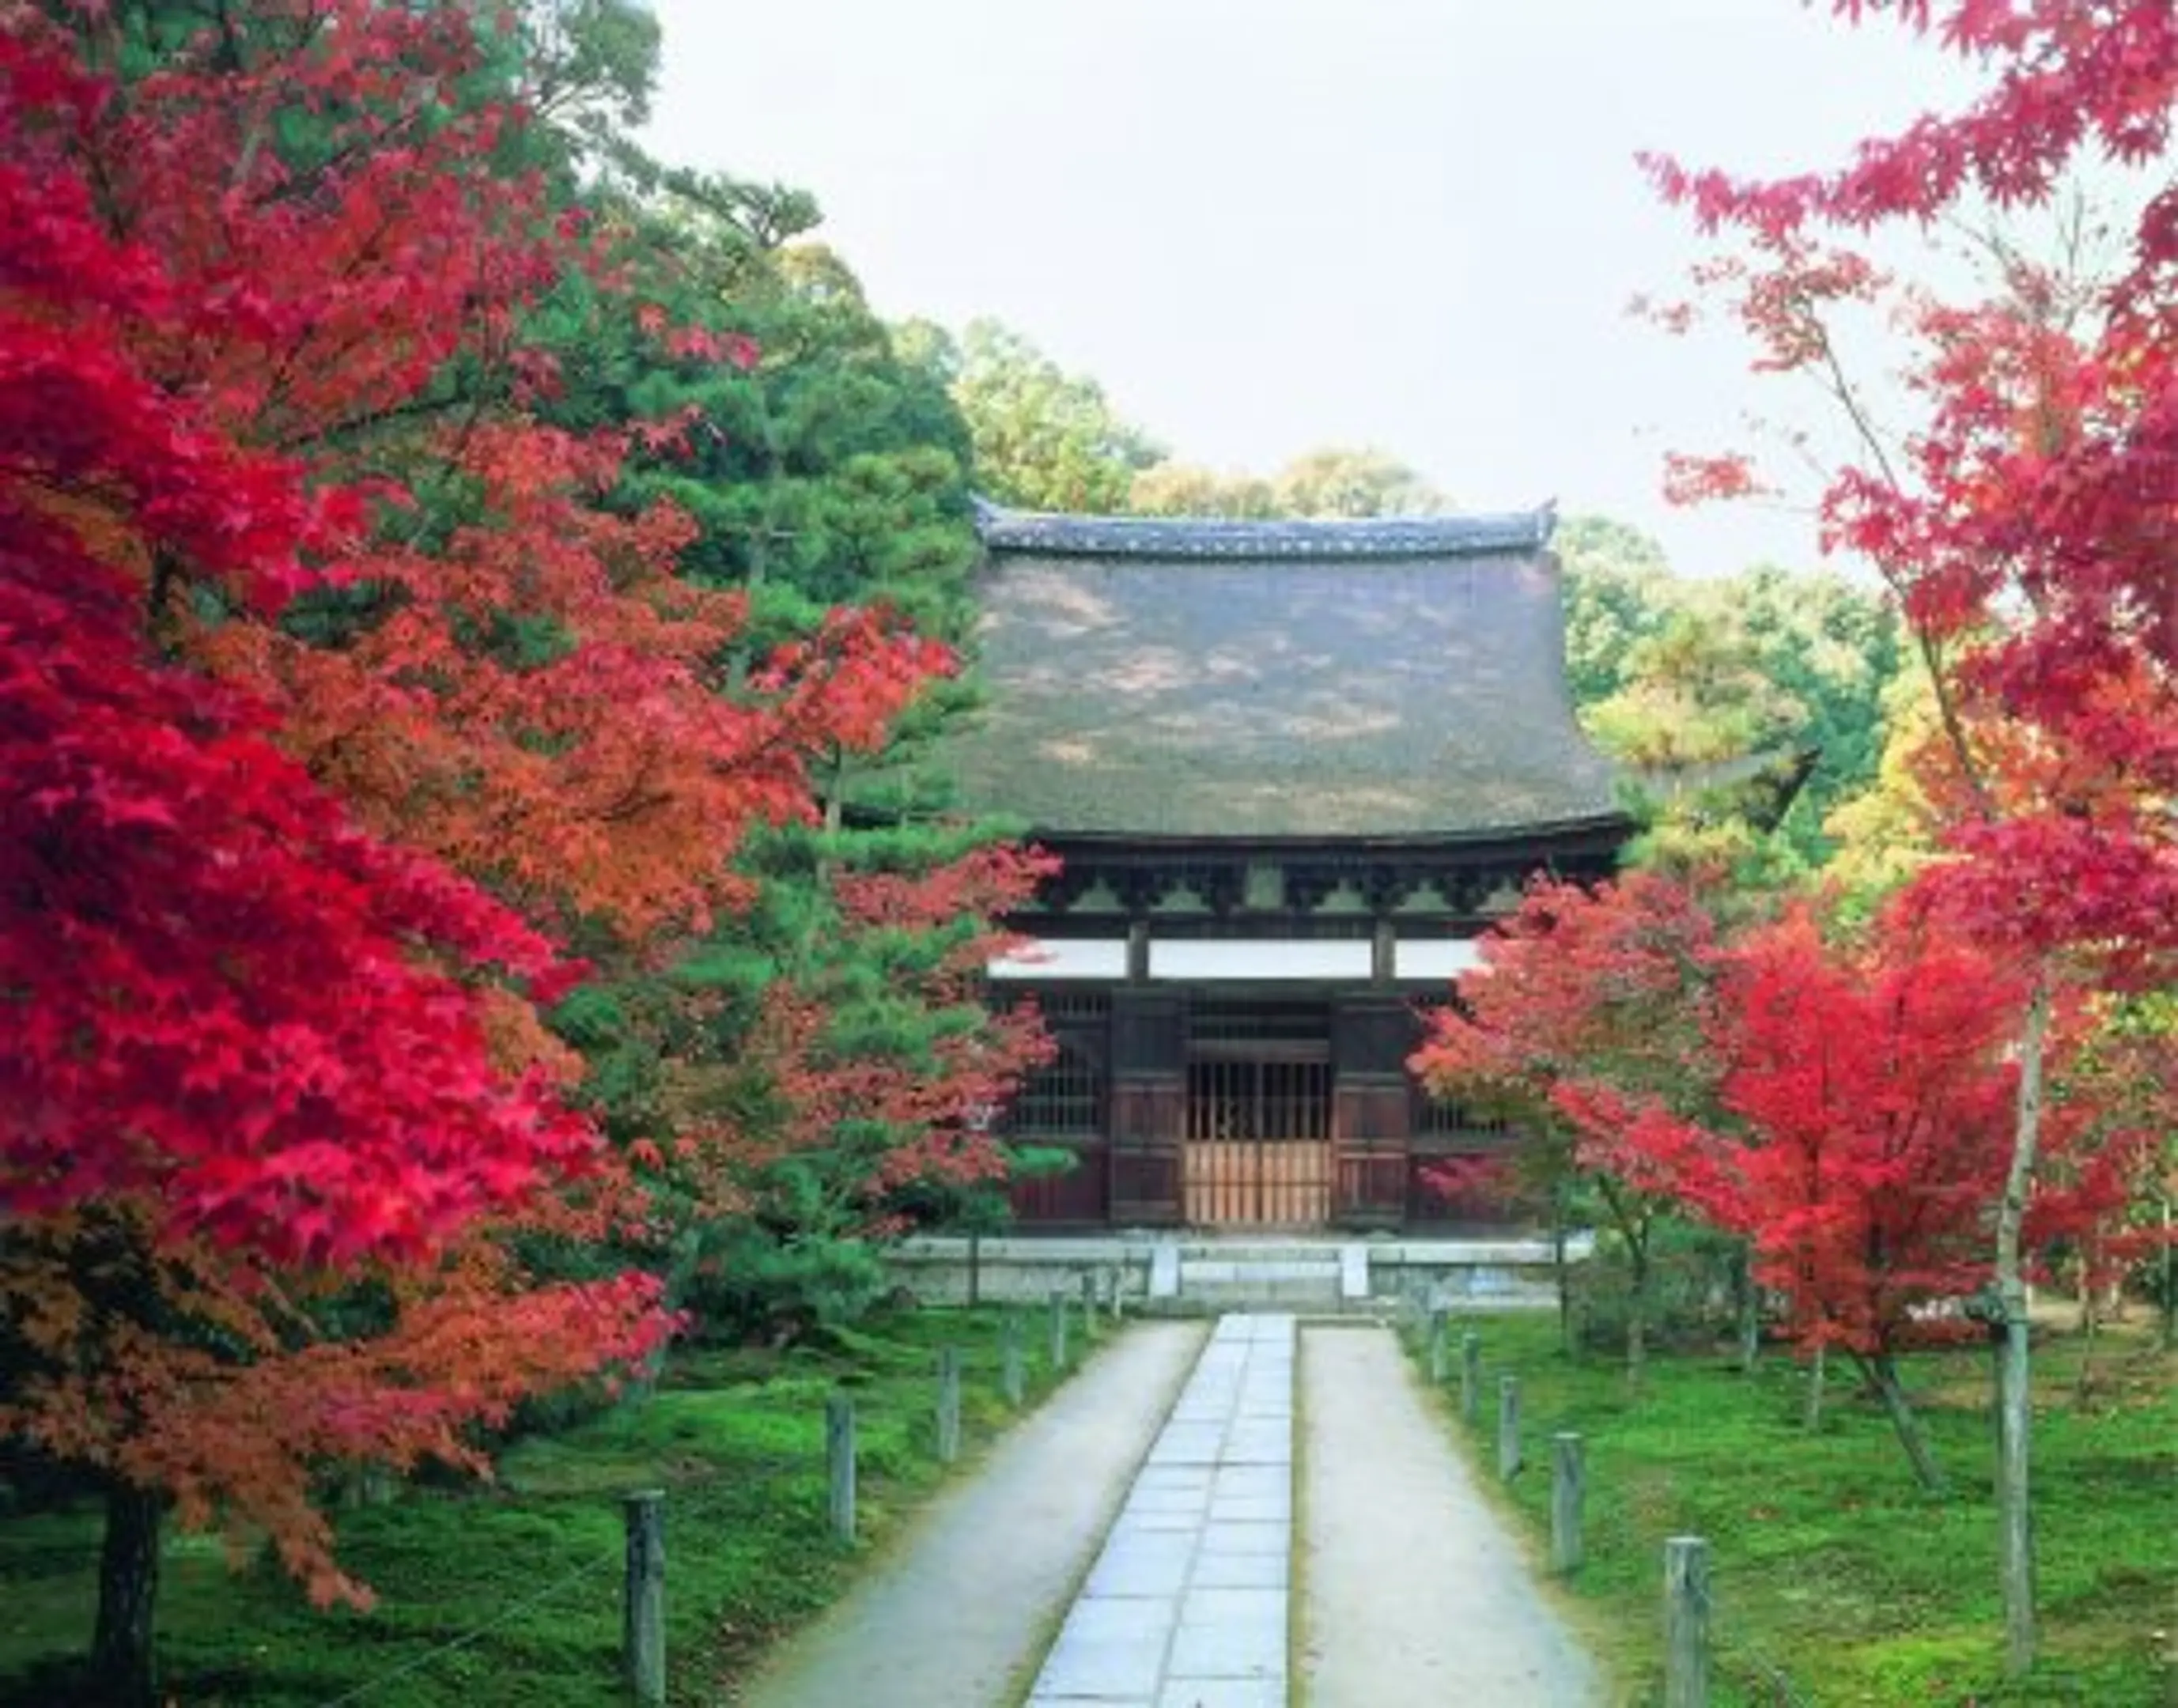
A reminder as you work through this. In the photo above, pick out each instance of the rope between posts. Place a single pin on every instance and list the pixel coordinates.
(419, 1663)
(717, 1486)
(1783, 1693)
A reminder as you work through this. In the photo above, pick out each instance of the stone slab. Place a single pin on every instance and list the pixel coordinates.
(1224, 1693)
(1189, 1601)
(964, 1599)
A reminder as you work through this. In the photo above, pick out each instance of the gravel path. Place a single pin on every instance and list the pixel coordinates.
(960, 1608)
(1415, 1594)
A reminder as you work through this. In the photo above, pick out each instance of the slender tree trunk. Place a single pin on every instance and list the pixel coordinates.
(1883, 1376)
(1561, 1272)
(2169, 1282)
(1750, 1315)
(975, 1268)
(1637, 1321)
(2091, 1319)
(121, 1653)
(2015, 1415)
(1811, 1417)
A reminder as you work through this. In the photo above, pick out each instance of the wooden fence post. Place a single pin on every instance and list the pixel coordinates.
(1471, 1376)
(1058, 1330)
(1437, 1346)
(1568, 1480)
(839, 1462)
(642, 1624)
(1088, 1306)
(1011, 1375)
(1113, 1278)
(948, 1404)
(1686, 1622)
(1509, 1425)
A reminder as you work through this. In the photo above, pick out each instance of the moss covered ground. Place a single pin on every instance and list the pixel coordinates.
(528, 1571)
(1835, 1581)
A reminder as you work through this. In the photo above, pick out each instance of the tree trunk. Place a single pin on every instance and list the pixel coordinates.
(1813, 1415)
(2169, 1283)
(2091, 1317)
(1883, 1376)
(1750, 1315)
(2015, 1416)
(975, 1268)
(1637, 1332)
(1561, 1271)
(128, 1593)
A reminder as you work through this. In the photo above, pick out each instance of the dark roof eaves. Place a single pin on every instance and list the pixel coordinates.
(1615, 824)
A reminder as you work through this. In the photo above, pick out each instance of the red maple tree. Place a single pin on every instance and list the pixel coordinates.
(2027, 524)
(1587, 1007)
(250, 1063)
(1863, 1099)
(489, 663)
(316, 651)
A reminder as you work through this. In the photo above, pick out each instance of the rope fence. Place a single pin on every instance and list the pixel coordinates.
(1701, 1641)
(506, 1615)
(643, 1557)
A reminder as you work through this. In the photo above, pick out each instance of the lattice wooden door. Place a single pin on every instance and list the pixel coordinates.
(1258, 1151)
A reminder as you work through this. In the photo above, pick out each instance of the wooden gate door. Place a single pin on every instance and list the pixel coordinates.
(1258, 1150)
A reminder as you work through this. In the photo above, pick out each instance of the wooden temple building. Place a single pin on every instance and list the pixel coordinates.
(1293, 769)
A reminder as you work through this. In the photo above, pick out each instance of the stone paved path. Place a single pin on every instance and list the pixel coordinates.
(1415, 1594)
(957, 1612)
(1187, 1606)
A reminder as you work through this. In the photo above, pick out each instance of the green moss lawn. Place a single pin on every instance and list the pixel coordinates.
(1834, 1582)
(533, 1564)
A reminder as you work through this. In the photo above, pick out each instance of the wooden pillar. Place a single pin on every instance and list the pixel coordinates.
(1372, 1036)
(1148, 1104)
(839, 1465)
(1013, 1364)
(1686, 1622)
(948, 1404)
(1569, 1482)
(643, 1606)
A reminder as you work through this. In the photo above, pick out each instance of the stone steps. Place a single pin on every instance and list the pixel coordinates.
(1221, 1275)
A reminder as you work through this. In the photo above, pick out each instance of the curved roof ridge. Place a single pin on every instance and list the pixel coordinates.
(1054, 534)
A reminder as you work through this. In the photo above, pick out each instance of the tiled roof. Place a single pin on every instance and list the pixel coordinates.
(1188, 537)
(1268, 679)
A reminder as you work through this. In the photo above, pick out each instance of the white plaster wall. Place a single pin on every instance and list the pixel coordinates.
(1066, 957)
(1266, 958)
(1256, 959)
(1435, 958)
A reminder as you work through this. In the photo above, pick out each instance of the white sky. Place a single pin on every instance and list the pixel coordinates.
(1270, 225)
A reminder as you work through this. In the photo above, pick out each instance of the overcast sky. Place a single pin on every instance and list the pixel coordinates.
(1270, 225)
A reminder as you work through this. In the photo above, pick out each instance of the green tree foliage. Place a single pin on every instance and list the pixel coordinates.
(824, 464)
(1617, 582)
(1332, 482)
(1684, 678)
(1188, 489)
(1044, 438)
(1353, 483)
